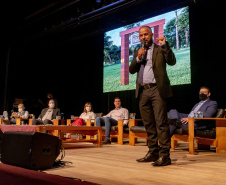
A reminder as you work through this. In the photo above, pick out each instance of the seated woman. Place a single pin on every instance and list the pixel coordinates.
(87, 114)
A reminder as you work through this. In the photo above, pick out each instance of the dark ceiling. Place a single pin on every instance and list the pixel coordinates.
(65, 20)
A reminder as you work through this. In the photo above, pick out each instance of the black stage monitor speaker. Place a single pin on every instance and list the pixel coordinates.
(32, 150)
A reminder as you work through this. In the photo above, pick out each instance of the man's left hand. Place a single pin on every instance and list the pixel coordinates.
(161, 40)
(184, 120)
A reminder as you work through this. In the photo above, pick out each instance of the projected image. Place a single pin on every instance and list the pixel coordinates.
(120, 44)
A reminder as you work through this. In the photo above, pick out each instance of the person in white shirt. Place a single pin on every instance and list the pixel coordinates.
(111, 119)
(87, 114)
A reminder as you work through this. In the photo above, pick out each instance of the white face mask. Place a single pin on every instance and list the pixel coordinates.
(51, 105)
(88, 109)
(20, 110)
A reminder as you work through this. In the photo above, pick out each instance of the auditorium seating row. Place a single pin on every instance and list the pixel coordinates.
(214, 135)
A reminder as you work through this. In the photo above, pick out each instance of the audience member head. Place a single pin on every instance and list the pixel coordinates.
(49, 95)
(204, 93)
(117, 102)
(21, 107)
(88, 107)
(51, 104)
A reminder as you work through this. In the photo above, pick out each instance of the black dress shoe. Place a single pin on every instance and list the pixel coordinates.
(162, 161)
(149, 157)
(106, 141)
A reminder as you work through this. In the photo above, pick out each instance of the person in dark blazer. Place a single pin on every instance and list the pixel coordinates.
(47, 114)
(206, 106)
(153, 88)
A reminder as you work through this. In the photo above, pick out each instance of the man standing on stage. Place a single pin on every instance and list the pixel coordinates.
(153, 88)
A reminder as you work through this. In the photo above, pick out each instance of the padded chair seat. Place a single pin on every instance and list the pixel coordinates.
(138, 129)
(115, 128)
(199, 133)
(206, 133)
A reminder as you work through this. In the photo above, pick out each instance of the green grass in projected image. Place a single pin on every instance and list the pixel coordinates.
(178, 74)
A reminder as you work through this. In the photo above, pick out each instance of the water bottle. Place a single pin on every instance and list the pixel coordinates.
(58, 117)
(62, 115)
(195, 114)
(77, 136)
(200, 114)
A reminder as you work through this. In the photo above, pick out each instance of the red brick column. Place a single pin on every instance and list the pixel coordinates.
(156, 34)
(125, 59)
(161, 30)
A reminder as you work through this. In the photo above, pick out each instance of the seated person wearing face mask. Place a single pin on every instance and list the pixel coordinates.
(20, 114)
(206, 106)
(47, 115)
(87, 114)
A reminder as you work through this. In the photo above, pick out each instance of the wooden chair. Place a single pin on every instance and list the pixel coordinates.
(18, 120)
(55, 122)
(119, 132)
(204, 138)
(58, 121)
(136, 131)
(29, 119)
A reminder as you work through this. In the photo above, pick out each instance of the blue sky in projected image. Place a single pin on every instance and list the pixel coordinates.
(114, 34)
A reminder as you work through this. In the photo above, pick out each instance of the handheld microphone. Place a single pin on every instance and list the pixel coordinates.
(142, 45)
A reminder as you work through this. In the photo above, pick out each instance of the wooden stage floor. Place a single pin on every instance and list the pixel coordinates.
(116, 165)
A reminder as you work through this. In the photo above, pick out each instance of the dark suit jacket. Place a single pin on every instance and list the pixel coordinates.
(56, 112)
(209, 108)
(161, 55)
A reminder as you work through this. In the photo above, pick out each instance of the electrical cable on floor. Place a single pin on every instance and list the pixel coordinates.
(59, 162)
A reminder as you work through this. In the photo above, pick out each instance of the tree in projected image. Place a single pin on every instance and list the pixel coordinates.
(183, 30)
(111, 51)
